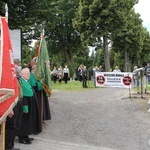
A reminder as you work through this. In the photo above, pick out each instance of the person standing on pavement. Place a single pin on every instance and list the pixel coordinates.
(55, 74)
(66, 74)
(30, 123)
(148, 72)
(136, 78)
(80, 68)
(60, 74)
(43, 102)
(84, 77)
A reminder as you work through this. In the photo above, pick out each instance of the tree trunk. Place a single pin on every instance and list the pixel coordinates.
(127, 65)
(106, 54)
(126, 60)
(70, 60)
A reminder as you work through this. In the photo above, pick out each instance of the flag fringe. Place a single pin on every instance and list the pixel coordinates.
(6, 94)
(46, 89)
(3, 118)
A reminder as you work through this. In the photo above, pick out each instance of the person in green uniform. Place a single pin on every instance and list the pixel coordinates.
(31, 116)
(41, 95)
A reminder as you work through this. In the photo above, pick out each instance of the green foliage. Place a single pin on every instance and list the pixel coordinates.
(27, 55)
(98, 18)
(100, 57)
(67, 22)
(131, 38)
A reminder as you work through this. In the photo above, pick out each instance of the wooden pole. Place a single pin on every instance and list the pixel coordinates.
(42, 109)
(3, 135)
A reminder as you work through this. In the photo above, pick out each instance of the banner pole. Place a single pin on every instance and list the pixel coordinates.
(6, 12)
(3, 135)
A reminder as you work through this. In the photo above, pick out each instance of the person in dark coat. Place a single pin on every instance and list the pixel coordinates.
(84, 77)
(30, 123)
(80, 68)
(43, 102)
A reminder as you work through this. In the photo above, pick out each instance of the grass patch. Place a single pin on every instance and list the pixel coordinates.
(148, 87)
(77, 86)
(71, 86)
(135, 89)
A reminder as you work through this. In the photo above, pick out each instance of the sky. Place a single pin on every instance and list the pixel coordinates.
(143, 8)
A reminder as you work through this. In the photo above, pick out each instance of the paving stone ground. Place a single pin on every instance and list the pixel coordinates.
(94, 119)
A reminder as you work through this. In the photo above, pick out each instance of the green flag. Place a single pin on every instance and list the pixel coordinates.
(42, 72)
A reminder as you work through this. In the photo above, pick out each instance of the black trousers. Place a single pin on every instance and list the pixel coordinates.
(55, 79)
(18, 111)
(84, 83)
(13, 125)
(9, 133)
(66, 77)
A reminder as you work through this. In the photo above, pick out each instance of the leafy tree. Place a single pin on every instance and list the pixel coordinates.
(144, 54)
(27, 55)
(98, 18)
(129, 41)
(62, 37)
(56, 18)
(99, 57)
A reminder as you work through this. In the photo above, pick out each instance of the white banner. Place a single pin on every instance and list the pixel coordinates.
(113, 79)
(15, 36)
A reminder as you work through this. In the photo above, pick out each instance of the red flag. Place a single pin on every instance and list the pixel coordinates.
(8, 80)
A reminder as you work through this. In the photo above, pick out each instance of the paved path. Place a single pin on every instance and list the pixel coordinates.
(45, 144)
(94, 119)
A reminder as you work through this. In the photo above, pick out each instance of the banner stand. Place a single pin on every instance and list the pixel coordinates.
(129, 91)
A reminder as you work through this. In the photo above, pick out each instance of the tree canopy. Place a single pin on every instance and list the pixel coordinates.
(111, 26)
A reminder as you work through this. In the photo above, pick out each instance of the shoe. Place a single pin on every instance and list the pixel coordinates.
(31, 139)
(13, 148)
(25, 142)
(36, 133)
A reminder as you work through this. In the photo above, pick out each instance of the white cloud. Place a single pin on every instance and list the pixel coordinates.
(143, 8)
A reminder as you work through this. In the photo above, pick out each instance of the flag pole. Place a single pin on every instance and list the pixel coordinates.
(6, 12)
(3, 135)
(42, 97)
(3, 123)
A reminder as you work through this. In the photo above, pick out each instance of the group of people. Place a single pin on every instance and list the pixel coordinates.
(61, 74)
(100, 69)
(30, 112)
(137, 75)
